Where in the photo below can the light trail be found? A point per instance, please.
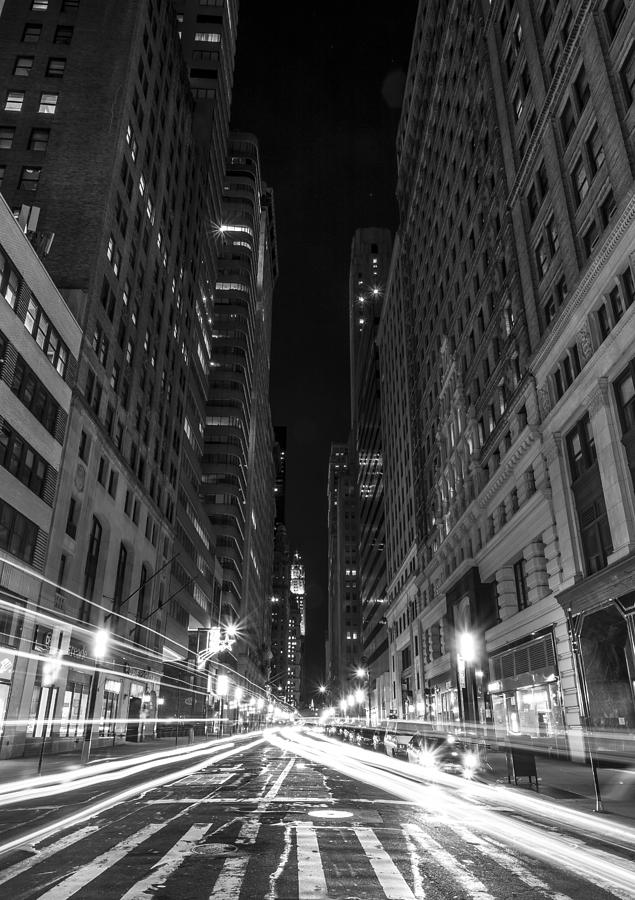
(85, 815)
(600, 868)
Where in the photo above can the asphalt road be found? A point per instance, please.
(295, 817)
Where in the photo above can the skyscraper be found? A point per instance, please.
(369, 266)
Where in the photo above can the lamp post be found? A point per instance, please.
(100, 646)
(365, 674)
(465, 657)
(50, 671)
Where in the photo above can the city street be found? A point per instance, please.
(291, 815)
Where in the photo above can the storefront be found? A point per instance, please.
(525, 695)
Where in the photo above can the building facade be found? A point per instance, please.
(344, 644)
(515, 253)
(368, 274)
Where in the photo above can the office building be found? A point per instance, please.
(514, 271)
(368, 275)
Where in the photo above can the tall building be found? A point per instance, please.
(39, 348)
(238, 462)
(513, 277)
(344, 642)
(280, 458)
(113, 150)
(368, 274)
(298, 600)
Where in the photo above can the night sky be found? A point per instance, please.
(320, 86)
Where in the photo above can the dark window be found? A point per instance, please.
(17, 533)
(567, 121)
(580, 181)
(581, 89)
(21, 460)
(72, 518)
(520, 578)
(63, 34)
(122, 564)
(84, 447)
(614, 13)
(595, 535)
(90, 569)
(30, 178)
(596, 150)
(29, 389)
(70, 5)
(627, 76)
(37, 324)
(607, 209)
(590, 237)
(6, 137)
(581, 449)
(39, 139)
(55, 67)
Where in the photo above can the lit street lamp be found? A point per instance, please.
(100, 647)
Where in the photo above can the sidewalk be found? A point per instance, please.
(570, 783)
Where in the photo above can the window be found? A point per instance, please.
(590, 237)
(3, 170)
(542, 258)
(46, 337)
(6, 137)
(209, 37)
(29, 178)
(63, 34)
(580, 181)
(581, 89)
(21, 460)
(546, 17)
(55, 67)
(31, 33)
(14, 101)
(40, 5)
(48, 104)
(595, 150)
(90, 569)
(102, 470)
(581, 449)
(8, 281)
(39, 139)
(122, 564)
(627, 76)
(29, 389)
(72, 518)
(520, 578)
(552, 236)
(614, 13)
(607, 209)
(70, 5)
(567, 121)
(23, 66)
(84, 447)
(17, 533)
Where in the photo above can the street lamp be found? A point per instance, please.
(100, 647)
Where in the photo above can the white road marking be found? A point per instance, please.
(507, 860)
(272, 893)
(169, 863)
(232, 875)
(100, 864)
(417, 880)
(474, 888)
(390, 878)
(39, 856)
(275, 787)
(311, 879)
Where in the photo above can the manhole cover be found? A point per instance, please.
(330, 814)
(214, 850)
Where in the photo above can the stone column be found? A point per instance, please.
(617, 485)
(536, 569)
(506, 592)
(565, 519)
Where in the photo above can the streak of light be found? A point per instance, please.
(90, 812)
(605, 870)
(104, 772)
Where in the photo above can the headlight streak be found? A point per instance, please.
(597, 866)
(39, 834)
(100, 773)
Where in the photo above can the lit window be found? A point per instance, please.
(210, 37)
(40, 5)
(6, 138)
(14, 101)
(39, 139)
(31, 34)
(23, 66)
(48, 104)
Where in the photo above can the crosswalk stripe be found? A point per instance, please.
(508, 861)
(232, 874)
(474, 888)
(57, 847)
(94, 869)
(169, 863)
(311, 880)
(390, 878)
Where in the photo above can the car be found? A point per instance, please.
(399, 732)
(364, 737)
(443, 753)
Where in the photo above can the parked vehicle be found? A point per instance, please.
(443, 753)
(398, 733)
